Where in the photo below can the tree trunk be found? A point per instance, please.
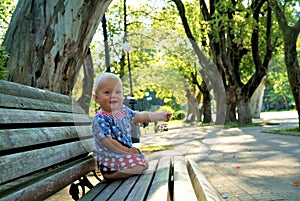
(193, 111)
(293, 68)
(206, 108)
(256, 101)
(231, 105)
(209, 72)
(88, 82)
(244, 114)
(49, 40)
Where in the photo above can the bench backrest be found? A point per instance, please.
(39, 130)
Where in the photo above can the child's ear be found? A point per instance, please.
(96, 98)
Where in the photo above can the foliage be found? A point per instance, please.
(162, 60)
(3, 58)
(150, 68)
(165, 108)
(179, 115)
(278, 94)
(6, 9)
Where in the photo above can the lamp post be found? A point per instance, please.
(128, 48)
(135, 129)
(106, 52)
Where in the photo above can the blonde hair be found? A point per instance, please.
(104, 76)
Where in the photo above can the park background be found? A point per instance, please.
(195, 59)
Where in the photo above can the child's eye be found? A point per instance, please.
(106, 92)
(118, 92)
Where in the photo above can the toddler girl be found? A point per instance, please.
(117, 158)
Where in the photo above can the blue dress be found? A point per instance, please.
(118, 127)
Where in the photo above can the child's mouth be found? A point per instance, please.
(113, 102)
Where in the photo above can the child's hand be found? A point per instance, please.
(167, 116)
(133, 150)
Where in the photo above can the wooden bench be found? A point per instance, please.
(170, 178)
(45, 143)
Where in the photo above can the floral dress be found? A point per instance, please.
(118, 127)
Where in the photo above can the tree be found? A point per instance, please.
(49, 40)
(209, 70)
(290, 34)
(233, 34)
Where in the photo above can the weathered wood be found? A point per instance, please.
(122, 192)
(183, 189)
(48, 41)
(143, 184)
(94, 192)
(18, 138)
(45, 142)
(134, 188)
(160, 186)
(17, 90)
(50, 182)
(170, 178)
(9, 101)
(26, 162)
(107, 192)
(203, 189)
(13, 116)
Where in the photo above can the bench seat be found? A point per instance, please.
(169, 178)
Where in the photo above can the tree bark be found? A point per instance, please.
(207, 118)
(49, 40)
(244, 110)
(88, 82)
(193, 111)
(256, 101)
(231, 105)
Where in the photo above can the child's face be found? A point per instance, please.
(109, 95)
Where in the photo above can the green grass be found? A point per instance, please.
(236, 124)
(286, 131)
(155, 148)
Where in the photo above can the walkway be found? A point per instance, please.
(241, 164)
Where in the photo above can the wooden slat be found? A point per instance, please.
(10, 116)
(107, 192)
(19, 164)
(94, 191)
(16, 138)
(53, 181)
(202, 187)
(140, 189)
(9, 101)
(122, 192)
(14, 89)
(183, 188)
(160, 186)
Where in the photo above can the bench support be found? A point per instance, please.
(82, 182)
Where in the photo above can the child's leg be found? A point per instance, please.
(138, 169)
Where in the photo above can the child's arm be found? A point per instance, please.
(152, 116)
(116, 147)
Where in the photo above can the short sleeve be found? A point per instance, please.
(101, 127)
(129, 112)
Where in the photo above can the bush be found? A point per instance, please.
(166, 108)
(3, 59)
(179, 115)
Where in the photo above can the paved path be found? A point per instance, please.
(241, 164)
